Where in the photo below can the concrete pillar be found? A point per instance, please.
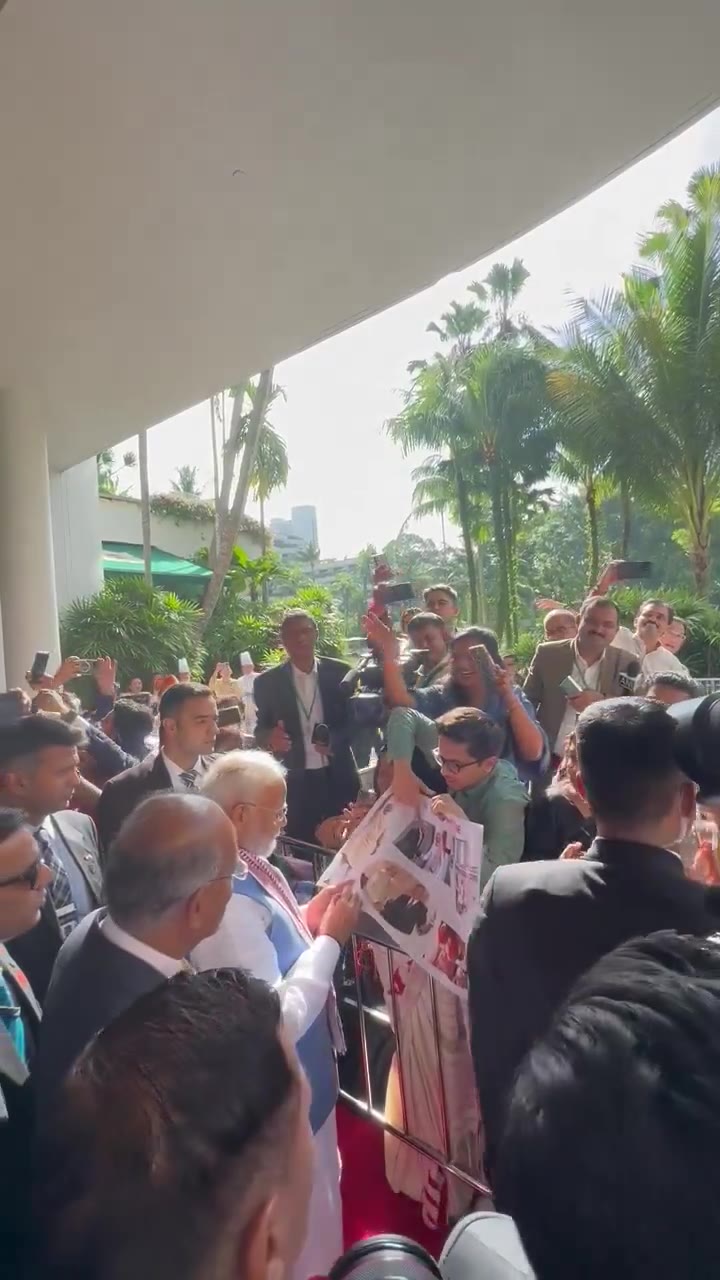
(75, 508)
(27, 570)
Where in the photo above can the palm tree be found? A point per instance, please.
(436, 493)
(434, 418)
(271, 470)
(145, 506)
(310, 556)
(580, 468)
(186, 481)
(243, 439)
(642, 377)
(505, 414)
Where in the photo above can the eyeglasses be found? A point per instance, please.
(452, 766)
(29, 877)
(278, 814)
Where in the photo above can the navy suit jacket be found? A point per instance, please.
(92, 983)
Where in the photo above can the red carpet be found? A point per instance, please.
(369, 1206)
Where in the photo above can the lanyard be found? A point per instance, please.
(307, 713)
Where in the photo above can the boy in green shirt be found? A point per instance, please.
(465, 744)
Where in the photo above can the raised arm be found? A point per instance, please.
(382, 638)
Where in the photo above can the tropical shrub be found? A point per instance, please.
(256, 628)
(145, 630)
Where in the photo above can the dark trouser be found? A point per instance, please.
(309, 801)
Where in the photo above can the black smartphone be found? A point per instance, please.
(11, 708)
(229, 715)
(628, 570)
(320, 736)
(39, 665)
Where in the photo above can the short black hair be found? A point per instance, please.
(626, 759)
(425, 619)
(177, 695)
(608, 1161)
(480, 635)
(24, 738)
(11, 821)
(293, 615)
(658, 604)
(171, 1126)
(473, 729)
(675, 680)
(445, 588)
(132, 719)
(596, 602)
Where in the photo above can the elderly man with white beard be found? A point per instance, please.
(296, 950)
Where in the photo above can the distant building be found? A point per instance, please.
(292, 537)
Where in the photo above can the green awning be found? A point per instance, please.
(171, 573)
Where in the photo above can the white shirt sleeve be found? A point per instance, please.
(241, 942)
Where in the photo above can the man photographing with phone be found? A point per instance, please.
(566, 676)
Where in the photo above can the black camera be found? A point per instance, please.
(697, 744)
(320, 736)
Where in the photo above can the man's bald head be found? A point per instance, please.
(168, 848)
(560, 624)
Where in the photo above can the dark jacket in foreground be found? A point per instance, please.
(543, 924)
(123, 794)
(93, 982)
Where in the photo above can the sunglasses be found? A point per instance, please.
(29, 877)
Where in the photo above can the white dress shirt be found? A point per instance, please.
(310, 710)
(242, 942)
(652, 664)
(175, 771)
(588, 677)
(168, 966)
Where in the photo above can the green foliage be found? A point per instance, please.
(108, 471)
(186, 481)
(188, 510)
(145, 630)
(257, 628)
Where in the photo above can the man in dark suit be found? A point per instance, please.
(543, 924)
(24, 880)
(590, 661)
(188, 725)
(168, 881)
(38, 775)
(303, 718)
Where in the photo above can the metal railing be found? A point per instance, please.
(356, 1010)
(709, 684)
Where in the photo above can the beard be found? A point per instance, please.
(265, 848)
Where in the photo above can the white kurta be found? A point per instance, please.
(241, 942)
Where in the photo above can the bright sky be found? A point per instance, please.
(357, 378)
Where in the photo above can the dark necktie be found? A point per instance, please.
(60, 889)
(189, 778)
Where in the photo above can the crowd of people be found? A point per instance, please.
(169, 1025)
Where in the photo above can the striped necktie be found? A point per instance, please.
(60, 889)
(189, 778)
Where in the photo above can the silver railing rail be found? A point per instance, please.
(351, 1000)
(710, 684)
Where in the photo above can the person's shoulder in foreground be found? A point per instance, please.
(180, 1145)
(609, 1155)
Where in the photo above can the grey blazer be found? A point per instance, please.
(92, 983)
(35, 951)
